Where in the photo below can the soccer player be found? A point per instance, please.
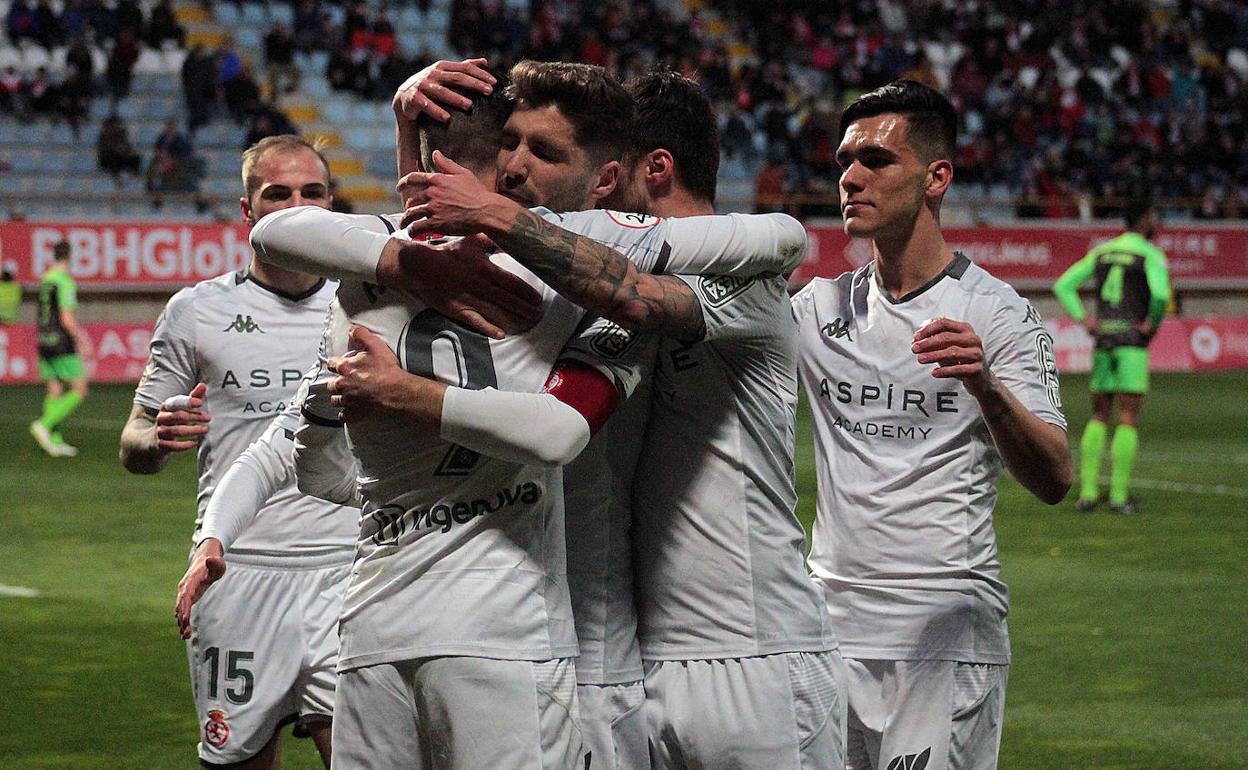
(485, 420)
(925, 375)
(263, 645)
(725, 406)
(1132, 289)
(61, 345)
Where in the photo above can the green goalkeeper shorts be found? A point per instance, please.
(1120, 370)
(65, 368)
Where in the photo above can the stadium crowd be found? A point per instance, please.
(1055, 107)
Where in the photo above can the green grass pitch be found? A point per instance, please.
(1129, 633)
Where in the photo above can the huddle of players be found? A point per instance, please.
(457, 630)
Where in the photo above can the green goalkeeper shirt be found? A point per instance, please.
(1132, 285)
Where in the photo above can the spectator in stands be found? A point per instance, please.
(120, 69)
(44, 94)
(114, 153)
(240, 92)
(163, 25)
(128, 17)
(200, 87)
(310, 27)
(21, 22)
(173, 166)
(13, 92)
(279, 57)
(264, 119)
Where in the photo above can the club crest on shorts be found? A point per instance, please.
(216, 729)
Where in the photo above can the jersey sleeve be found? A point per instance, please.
(738, 245)
(325, 466)
(1158, 277)
(738, 308)
(731, 244)
(66, 291)
(314, 240)
(1066, 288)
(616, 353)
(172, 366)
(1019, 352)
(265, 467)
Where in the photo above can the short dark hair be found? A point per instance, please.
(931, 120)
(61, 251)
(471, 137)
(599, 109)
(674, 114)
(1134, 212)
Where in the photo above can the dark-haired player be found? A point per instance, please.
(925, 375)
(1132, 289)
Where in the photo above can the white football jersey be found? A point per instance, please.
(446, 515)
(718, 548)
(251, 345)
(907, 469)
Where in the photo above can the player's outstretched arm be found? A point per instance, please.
(476, 293)
(1066, 287)
(148, 439)
(1035, 452)
(206, 567)
(576, 401)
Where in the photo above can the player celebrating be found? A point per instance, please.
(61, 343)
(1132, 290)
(915, 413)
(754, 622)
(263, 646)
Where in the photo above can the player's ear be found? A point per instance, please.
(244, 207)
(607, 177)
(939, 177)
(660, 168)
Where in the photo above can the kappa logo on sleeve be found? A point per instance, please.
(612, 340)
(720, 289)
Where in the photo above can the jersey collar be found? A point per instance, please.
(955, 270)
(242, 276)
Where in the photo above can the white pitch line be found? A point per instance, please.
(89, 423)
(1185, 487)
(1196, 458)
(25, 593)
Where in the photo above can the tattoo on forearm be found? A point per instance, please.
(603, 281)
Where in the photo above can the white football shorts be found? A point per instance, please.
(614, 725)
(935, 714)
(458, 713)
(778, 712)
(262, 652)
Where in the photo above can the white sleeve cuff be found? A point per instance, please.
(526, 428)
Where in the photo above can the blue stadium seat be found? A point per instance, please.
(227, 14)
(337, 112)
(316, 87)
(250, 39)
(283, 12)
(255, 14)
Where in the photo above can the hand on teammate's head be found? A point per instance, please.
(436, 87)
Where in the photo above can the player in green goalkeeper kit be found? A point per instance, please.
(1132, 289)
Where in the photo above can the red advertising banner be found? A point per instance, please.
(126, 254)
(1181, 345)
(1032, 257)
(120, 352)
